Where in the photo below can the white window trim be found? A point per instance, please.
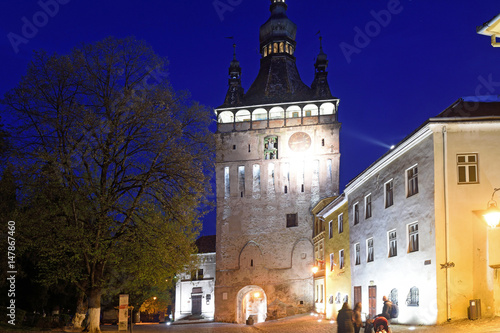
(340, 223)
(356, 204)
(389, 243)
(407, 180)
(466, 164)
(408, 238)
(341, 259)
(368, 250)
(355, 253)
(369, 195)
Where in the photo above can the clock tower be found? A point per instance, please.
(277, 157)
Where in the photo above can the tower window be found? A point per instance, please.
(322, 142)
(241, 180)
(271, 147)
(282, 48)
(292, 220)
(249, 150)
(234, 147)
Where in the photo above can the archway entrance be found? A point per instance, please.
(251, 301)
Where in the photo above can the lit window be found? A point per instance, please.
(241, 180)
(226, 182)
(341, 223)
(355, 213)
(369, 250)
(368, 206)
(413, 237)
(393, 244)
(467, 168)
(389, 193)
(412, 181)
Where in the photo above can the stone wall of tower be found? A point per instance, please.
(254, 245)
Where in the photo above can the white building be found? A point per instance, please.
(194, 291)
(416, 232)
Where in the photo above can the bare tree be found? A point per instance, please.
(115, 165)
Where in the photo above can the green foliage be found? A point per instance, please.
(113, 165)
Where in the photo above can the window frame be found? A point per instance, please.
(412, 235)
(370, 255)
(330, 231)
(467, 165)
(288, 218)
(368, 206)
(392, 243)
(389, 195)
(357, 254)
(340, 223)
(411, 181)
(341, 259)
(355, 213)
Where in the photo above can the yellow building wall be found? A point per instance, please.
(337, 280)
(461, 234)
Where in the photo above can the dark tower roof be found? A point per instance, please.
(206, 244)
(278, 80)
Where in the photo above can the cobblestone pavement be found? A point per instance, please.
(310, 324)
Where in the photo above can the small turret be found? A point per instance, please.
(235, 91)
(320, 84)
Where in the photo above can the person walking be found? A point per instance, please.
(356, 317)
(344, 320)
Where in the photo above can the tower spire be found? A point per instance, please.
(320, 83)
(235, 90)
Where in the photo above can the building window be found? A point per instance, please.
(271, 147)
(412, 181)
(256, 178)
(413, 237)
(291, 220)
(270, 178)
(332, 264)
(467, 168)
(355, 213)
(341, 259)
(413, 299)
(389, 193)
(369, 250)
(295, 114)
(200, 274)
(241, 180)
(357, 254)
(393, 244)
(393, 296)
(286, 177)
(226, 182)
(322, 142)
(330, 232)
(341, 223)
(368, 206)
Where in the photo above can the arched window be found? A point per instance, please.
(393, 296)
(293, 111)
(310, 110)
(275, 48)
(242, 115)
(259, 114)
(413, 298)
(276, 113)
(282, 49)
(270, 49)
(265, 51)
(226, 117)
(327, 108)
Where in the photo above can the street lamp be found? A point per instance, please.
(492, 214)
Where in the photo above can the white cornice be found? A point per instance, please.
(332, 206)
(401, 149)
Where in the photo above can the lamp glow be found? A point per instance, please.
(315, 269)
(256, 294)
(492, 215)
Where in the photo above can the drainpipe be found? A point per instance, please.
(446, 226)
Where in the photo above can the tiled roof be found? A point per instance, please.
(206, 244)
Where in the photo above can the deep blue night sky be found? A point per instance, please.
(413, 63)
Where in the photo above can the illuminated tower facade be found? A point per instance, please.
(277, 157)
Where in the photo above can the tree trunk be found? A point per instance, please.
(81, 310)
(94, 310)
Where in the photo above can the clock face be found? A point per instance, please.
(299, 142)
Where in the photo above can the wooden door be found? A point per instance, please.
(196, 304)
(357, 295)
(372, 301)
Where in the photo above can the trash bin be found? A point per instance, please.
(474, 309)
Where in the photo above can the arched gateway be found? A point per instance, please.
(251, 301)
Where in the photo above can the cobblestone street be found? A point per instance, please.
(307, 323)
